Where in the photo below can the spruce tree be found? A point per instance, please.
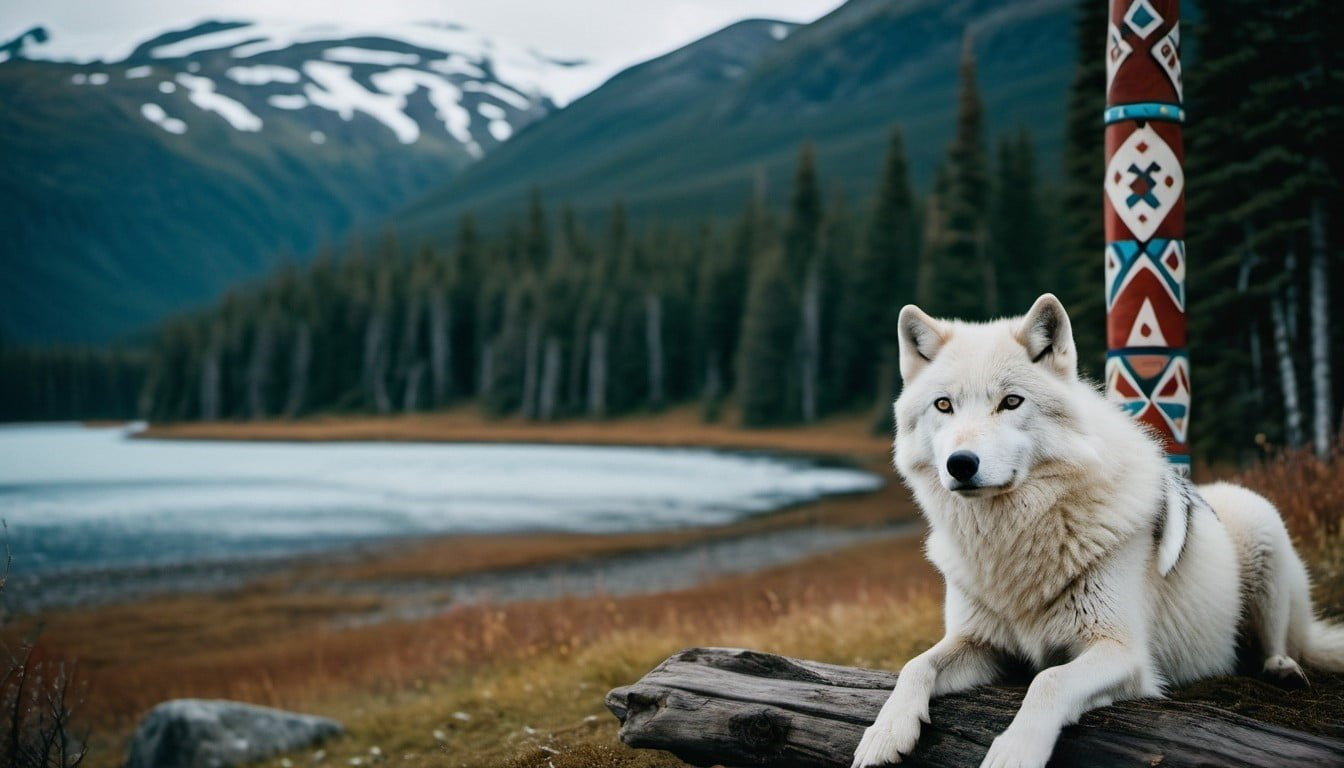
(1080, 268)
(1019, 238)
(966, 284)
(765, 388)
(803, 262)
(883, 280)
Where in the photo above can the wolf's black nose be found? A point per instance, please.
(963, 465)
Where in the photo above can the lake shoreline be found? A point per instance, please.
(399, 569)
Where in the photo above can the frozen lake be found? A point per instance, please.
(79, 498)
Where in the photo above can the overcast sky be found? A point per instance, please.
(611, 31)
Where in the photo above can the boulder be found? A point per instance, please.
(199, 733)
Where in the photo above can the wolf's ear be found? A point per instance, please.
(921, 337)
(1048, 337)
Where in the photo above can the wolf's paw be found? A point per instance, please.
(893, 735)
(1019, 749)
(1285, 673)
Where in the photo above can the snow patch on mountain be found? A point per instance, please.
(481, 91)
(156, 115)
(287, 101)
(334, 89)
(352, 55)
(201, 91)
(262, 74)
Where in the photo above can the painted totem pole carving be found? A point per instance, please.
(1147, 367)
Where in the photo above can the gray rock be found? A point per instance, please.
(198, 733)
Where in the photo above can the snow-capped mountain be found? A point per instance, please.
(412, 78)
(143, 177)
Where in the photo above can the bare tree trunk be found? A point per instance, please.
(597, 373)
(440, 348)
(410, 400)
(210, 375)
(375, 363)
(550, 380)
(653, 337)
(1319, 275)
(811, 346)
(531, 369)
(989, 274)
(487, 377)
(579, 348)
(1292, 410)
(298, 369)
(713, 387)
(259, 370)
(886, 390)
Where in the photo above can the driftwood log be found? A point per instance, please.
(717, 706)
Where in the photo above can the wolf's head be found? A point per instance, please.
(985, 405)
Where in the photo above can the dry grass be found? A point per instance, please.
(522, 684)
(677, 427)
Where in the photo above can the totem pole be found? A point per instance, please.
(1147, 367)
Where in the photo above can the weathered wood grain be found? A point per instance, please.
(718, 706)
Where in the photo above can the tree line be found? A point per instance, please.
(790, 313)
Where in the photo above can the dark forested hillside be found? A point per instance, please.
(137, 188)
(840, 82)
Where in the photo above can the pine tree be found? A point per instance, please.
(802, 257)
(966, 285)
(1019, 236)
(765, 389)
(883, 280)
(1079, 282)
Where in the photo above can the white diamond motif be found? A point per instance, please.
(1142, 18)
(1144, 182)
(1167, 51)
(1117, 50)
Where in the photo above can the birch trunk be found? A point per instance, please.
(487, 373)
(550, 380)
(298, 369)
(440, 348)
(410, 400)
(210, 376)
(713, 387)
(259, 370)
(653, 338)
(1292, 410)
(811, 346)
(375, 364)
(531, 369)
(1319, 274)
(579, 348)
(597, 373)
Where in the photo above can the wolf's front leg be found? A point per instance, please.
(953, 664)
(1058, 696)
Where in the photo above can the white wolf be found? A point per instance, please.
(1065, 540)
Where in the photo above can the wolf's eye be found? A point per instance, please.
(943, 405)
(1010, 402)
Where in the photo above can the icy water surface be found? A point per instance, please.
(79, 498)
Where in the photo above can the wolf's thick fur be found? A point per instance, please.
(1073, 546)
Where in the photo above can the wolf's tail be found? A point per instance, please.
(1325, 646)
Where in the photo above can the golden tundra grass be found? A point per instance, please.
(523, 684)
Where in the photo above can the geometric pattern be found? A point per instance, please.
(1165, 259)
(1145, 294)
(1153, 388)
(1144, 181)
(1147, 368)
(1142, 18)
(1117, 50)
(1167, 52)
